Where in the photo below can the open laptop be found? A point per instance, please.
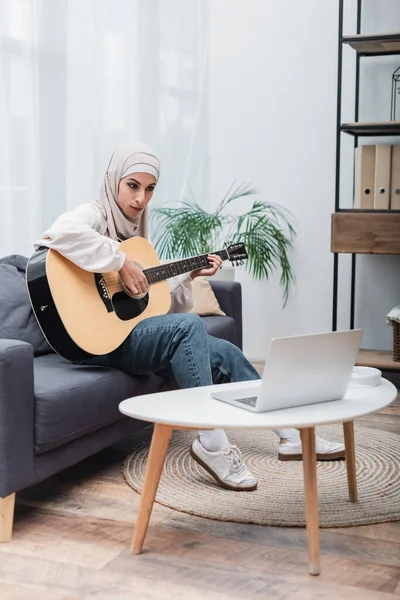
(299, 370)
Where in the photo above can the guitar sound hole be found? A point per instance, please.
(126, 307)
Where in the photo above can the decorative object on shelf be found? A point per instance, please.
(395, 93)
(393, 319)
(383, 165)
(364, 177)
(395, 179)
(266, 229)
(377, 177)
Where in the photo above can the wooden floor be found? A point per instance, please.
(82, 551)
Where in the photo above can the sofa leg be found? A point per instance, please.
(7, 517)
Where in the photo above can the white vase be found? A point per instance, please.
(225, 273)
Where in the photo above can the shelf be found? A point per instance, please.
(380, 44)
(371, 129)
(381, 359)
(361, 232)
(369, 211)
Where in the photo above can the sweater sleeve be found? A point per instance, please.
(78, 236)
(180, 288)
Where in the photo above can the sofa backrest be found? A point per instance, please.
(17, 321)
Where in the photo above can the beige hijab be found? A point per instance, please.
(127, 159)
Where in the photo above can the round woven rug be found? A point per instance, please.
(279, 498)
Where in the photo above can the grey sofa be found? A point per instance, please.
(54, 413)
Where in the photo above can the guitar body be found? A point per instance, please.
(83, 314)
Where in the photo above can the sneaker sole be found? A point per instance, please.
(340, 454)
(215, 476)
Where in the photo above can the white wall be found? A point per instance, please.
(272, 122)
(273, 85)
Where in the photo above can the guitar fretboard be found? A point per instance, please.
(186, 265)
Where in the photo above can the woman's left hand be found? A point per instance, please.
(215, 263)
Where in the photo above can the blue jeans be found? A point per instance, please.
(178, 346)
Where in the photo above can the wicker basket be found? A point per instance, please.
(396, 340)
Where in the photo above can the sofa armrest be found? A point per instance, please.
(229, 296)
(16, 416)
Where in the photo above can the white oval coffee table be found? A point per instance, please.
(195, 409)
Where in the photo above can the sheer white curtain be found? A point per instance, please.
(77, 77)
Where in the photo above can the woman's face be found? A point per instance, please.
(135, 192)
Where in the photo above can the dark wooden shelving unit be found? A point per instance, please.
(374, 44)
(362, 232)
(356, 231)
(383, 128)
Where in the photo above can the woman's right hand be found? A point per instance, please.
(133, 278)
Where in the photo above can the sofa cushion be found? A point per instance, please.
(204, 300)
(17, 321)
(221, 327)
(74, 400)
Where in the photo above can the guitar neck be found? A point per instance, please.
(161, 272)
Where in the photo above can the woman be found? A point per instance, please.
(168, 345)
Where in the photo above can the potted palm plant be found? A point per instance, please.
(266, 229)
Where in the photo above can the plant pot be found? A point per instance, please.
(226, 273)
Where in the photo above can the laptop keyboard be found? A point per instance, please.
(250, 401)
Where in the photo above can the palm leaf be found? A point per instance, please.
(185, 231)
(266, 243)
(266, 229)
(241, 191)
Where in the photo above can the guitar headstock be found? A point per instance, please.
(236, 252)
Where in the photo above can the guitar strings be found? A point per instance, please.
(165, 271)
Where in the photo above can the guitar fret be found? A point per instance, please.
(179, 267)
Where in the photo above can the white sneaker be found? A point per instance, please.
(324, 449)
(226, 466)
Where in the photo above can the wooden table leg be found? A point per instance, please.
(311, 498)
(158, 450)
(348, 430)
(6, 517)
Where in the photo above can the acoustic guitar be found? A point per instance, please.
(83, 314)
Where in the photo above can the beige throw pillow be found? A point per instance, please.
(204, 300)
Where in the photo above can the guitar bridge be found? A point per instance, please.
(103, 291)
